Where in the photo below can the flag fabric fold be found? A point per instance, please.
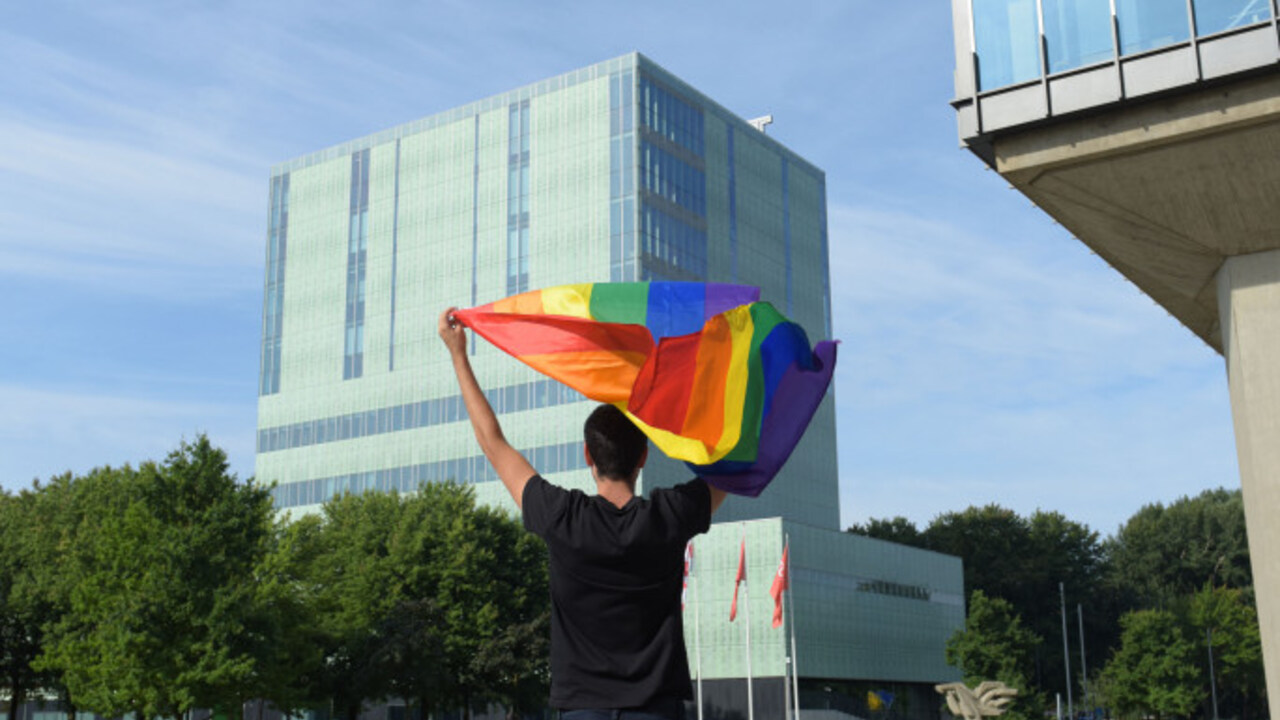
(781, 582)
(710, 374)
(742, 575)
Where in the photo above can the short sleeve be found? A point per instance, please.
(689, 504)
(541, 504)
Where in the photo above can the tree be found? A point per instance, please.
(348, 583)
(898, 529)
(1163, 553)
(496, 602)
(164, 612)
(1225, 617)
(420, 596)
(1155, 672)
(993, 542)
(994, 645)
(21, 614)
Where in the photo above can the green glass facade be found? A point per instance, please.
(615, 172)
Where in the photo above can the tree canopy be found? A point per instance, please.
(172, 586)
(1188, 560)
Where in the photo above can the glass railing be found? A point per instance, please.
(1078, 33)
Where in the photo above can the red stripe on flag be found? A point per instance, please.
(544, 334)
(661, 393)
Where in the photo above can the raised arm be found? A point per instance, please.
(717, 497)
(512, 468)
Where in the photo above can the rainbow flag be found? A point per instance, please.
(713, 376)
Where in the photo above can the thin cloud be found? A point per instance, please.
(87, 430)
(998, 369)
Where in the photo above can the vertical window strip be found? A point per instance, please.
(518, 188)
(786, 226)
(670, 247)
(273, 295)
(475, 222)
(826, 259)
(733, 214)
(395, 229)
(622, 173)
(357, 253)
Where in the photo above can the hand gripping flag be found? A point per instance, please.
(781, 582)
(711, 375)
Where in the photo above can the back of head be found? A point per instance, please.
(615, 443)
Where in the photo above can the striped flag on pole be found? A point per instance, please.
(742, 575)
(779, 586)
(688, 568)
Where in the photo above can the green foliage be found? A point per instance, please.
(22, 615)
(1023, 560)
(172, 586)
(1156, 671)
(421, 597)
(994, 645)
(1226, 617)
(898, 529)
(1163, 553)
(993, 541)
(158, 574)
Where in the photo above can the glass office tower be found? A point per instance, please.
(615, 172)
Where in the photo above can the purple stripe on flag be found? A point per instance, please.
(796, 400)
(722, 296)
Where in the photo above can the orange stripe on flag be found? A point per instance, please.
(705, 418)
(529, 303)
(602, 375)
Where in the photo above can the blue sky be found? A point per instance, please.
(987, 356)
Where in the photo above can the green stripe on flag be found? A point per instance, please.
(620, 302)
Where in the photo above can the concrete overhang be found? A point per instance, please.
(1163, 190)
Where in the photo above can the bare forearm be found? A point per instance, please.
(483, 420)
(512, 468)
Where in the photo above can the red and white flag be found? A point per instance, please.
(780, 583)
(742, 575)
(688, 568)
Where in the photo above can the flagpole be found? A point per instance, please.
(791, 612)
(751, 711)
(697, 635)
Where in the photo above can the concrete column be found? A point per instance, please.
(1249, 303)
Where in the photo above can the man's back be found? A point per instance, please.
(617, 637)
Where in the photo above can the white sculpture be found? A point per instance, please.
(987, 700)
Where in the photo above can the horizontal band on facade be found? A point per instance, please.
(410, 416)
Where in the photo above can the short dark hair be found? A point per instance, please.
(615, 443)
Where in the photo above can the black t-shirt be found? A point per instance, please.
(617, 634)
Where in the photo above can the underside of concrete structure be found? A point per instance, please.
(1164, 191)
(1151, 132)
